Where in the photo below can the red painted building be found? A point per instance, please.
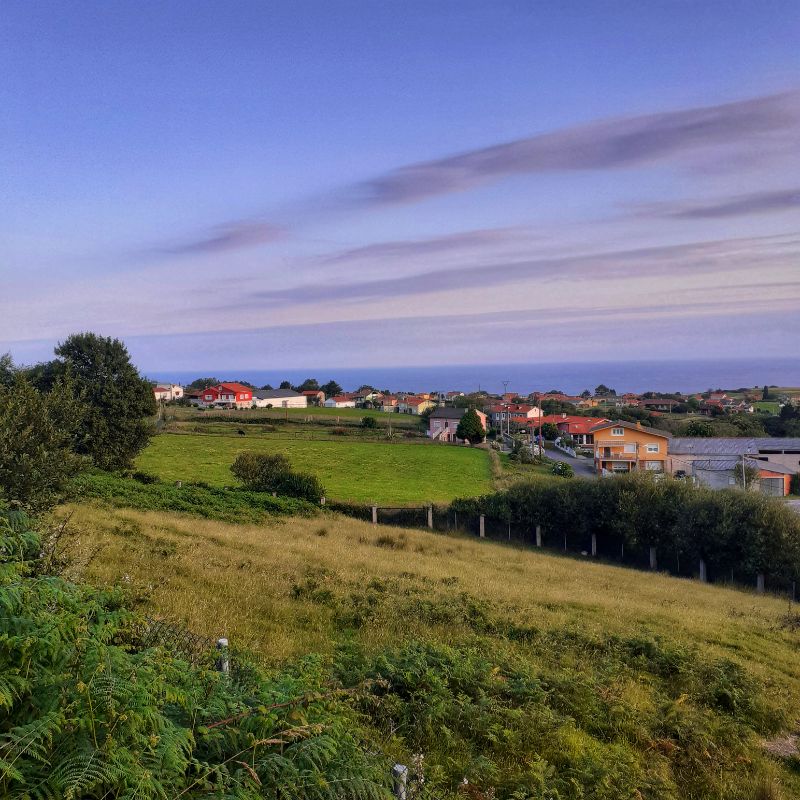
(227, 395)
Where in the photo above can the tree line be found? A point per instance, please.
(730, 530)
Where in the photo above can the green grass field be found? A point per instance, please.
(351, 415)
(384, 473)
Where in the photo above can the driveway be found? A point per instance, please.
(583, 467)
(794, 505)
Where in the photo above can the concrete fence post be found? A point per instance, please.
(400, 781)
(430, 517)
(482, 527)
(374, 515)
(179, 484)
(703, 574)
(594, 544)
(760, 583)
(223, 662)
(538, 535)
(322, 500)
(653, 559)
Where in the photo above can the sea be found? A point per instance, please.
(571, 378)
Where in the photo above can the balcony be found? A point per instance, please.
(608, 455)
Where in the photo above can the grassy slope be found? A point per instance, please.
(295, 586)
(237, 580)
(361, 471)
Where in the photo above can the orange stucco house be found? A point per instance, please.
(625, 447)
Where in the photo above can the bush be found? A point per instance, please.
(261, 472)
(271, 472)
(302, 485)
(369, 423)
(562, 469)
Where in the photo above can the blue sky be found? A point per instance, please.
(360, 184)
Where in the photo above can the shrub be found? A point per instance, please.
(562, 469)
(302, 485)
(369, 423)
(271, 472)
(261, 472)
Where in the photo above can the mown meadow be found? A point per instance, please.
(382, 472)
(530, 675)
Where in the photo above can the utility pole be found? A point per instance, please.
(744, 475)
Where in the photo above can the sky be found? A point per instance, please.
(357, 184)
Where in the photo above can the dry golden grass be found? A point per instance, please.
(242, 581)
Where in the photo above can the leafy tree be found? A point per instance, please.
(198, 384)
(604, 391)
(37, 437)
(285, 385)
(765, 393)
(585, 394)
(308, 385)
(470, 428)
(699, 428)
(550, 431)
(369, 423)
(331, 388)
(267, 387)
(7, 370)
(119, 402)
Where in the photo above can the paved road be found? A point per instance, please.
(794, 505)
(584, 467)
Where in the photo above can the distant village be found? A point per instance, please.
(598, 432)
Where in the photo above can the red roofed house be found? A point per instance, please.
(579, 428)
(414, 404)
(517, 413)
(227, 395)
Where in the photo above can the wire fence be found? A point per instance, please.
(608, 548)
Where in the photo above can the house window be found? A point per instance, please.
(652, 448)
(209, 397)
(654, 466)
(618, 431)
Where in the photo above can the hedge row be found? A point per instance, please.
(730, 529)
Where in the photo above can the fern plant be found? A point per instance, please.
(86, 713)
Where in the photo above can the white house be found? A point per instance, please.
(168, 391)
(279, 398)
(340, 402)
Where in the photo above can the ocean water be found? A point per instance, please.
(572, 378)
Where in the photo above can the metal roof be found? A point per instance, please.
(732, 446)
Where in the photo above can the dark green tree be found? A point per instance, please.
(331, 388)
(765, 393)
(550, 431)
(198, 384)
(119, 402)
(698, 427)
(369, 423)
(37, 436)
(308, 385)
(470, 428)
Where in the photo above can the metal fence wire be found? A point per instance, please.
(176, 638)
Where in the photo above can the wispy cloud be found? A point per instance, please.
(226, 237)
(664, 261)
(734, 206)
(612, 144)
(428, 246)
